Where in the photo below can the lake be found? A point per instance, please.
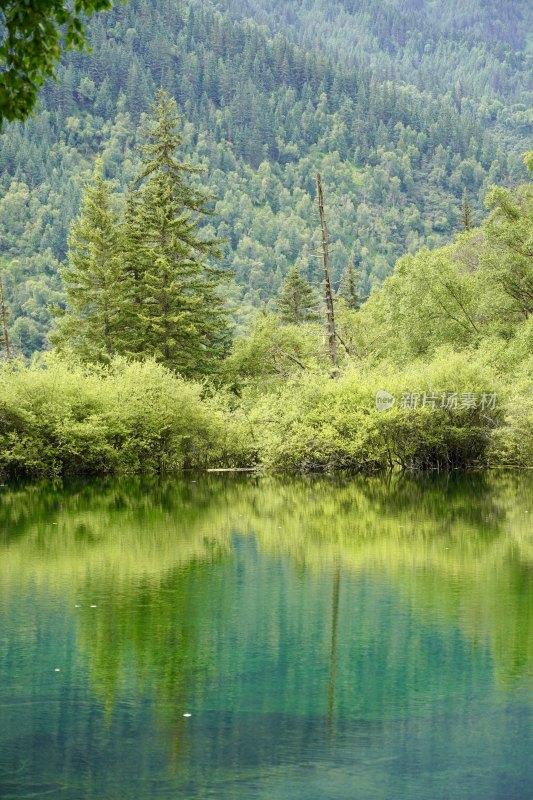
(235, 636)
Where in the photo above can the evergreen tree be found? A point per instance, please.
(92, 325)
(130, 246)
(466, 214)
(349, 287)
(297, 301)
(180, 320)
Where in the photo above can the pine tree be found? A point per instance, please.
(92, 325)
(180, 320)
(130, 248)
(349, 287)
(466, 214)
(297, 301)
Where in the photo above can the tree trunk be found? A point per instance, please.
(327, 282)
(3, 313)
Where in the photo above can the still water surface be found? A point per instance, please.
(331, 639)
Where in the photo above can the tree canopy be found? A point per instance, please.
(141, 284)
(34, 34)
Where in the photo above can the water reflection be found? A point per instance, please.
(316, 630)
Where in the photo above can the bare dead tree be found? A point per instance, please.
(3, 313)
(327, 281)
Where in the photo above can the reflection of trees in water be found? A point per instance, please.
(172, 590)
(334, 636)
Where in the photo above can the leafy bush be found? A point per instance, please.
(61, 418)
(512, 443)
(312, 423)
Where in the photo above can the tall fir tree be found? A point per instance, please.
(349, 289)
(179, 316)
(92, 324)
(297, 301)
(130, 246)
(466, 213)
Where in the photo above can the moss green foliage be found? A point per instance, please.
(138, 287)
(334, 424)
(350, 287)
(93, 325)
(60, 418)
(272, 352)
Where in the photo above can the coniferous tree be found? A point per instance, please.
(297, 301)
(130, 246)
(92, 325)
(180, 320)
(349, 287)
(466, 214)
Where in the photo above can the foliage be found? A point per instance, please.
(466, 213)
(349, 289)
(272, 352)
(469, 49)
(512, 443)
(509, 255)
(33, 36)
(297, 302)
(141, 285)
(440, 326)
(396, 159)
(335, 424)
(265, 114)
(180, 319)
(472, 291)
(60, 418)
(93, 326)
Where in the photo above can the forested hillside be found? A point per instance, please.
(397, 145)
(486, 47)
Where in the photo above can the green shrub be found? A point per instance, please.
(315, 423)
(60, 418)
(512, 443)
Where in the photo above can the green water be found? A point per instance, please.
(331, 639)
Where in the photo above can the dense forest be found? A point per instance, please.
(399, 134)
(481, 49)
(163, 302)
(448, 338)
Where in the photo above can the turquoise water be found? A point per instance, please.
(338, 639)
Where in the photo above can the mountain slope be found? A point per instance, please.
(263, 115)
